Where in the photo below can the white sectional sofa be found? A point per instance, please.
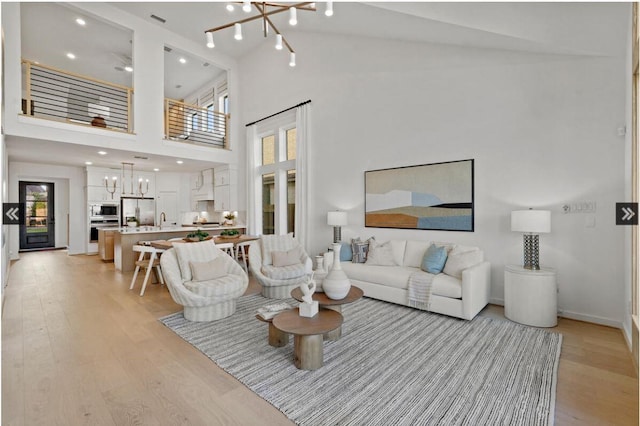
(462, 290)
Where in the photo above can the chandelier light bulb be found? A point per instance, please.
(293, 16)
(292, 59)
(238, 34)
(329, 10)
(210, 43)
(230, 7)
(246, 6)
(279, 41)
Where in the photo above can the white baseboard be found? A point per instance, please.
(578, 316)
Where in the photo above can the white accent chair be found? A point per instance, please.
(213, 294)
(277, 281)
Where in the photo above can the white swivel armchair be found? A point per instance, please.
(279, 264)
(203, 279)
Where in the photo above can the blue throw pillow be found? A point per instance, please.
(434, 259)
(345, 252)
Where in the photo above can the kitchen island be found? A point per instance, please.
(125, 238)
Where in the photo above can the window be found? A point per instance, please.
(223, 103)
(193, 122)
(276, 168)
(210, 118)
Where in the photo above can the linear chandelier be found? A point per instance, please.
(265, 10)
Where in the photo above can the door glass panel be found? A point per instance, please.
(38, 230)
(268, 204)
(36, 209)
(291, 200)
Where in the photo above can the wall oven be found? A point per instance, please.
(101, 224)
(102, 216)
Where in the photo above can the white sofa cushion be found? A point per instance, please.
(446, 286)
(380, 254)
(458, 261)
(414, 252)
(397, 276)
(202, 251)
(398, 247)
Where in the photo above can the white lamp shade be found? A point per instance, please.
(531, 221)
(337, 218)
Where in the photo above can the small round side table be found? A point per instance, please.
(530, 296)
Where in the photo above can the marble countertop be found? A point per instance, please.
(173, 228)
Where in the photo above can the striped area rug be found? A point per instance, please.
(393, 366)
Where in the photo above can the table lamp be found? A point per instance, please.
(531, 223)
(337, 219)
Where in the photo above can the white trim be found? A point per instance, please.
(577, 316)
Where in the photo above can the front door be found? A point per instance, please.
(38, 229)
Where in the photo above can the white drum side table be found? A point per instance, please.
(530, 297)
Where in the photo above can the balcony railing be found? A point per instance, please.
(53, 94)
(191, 123)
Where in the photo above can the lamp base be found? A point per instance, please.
(531, 252)
(337, 231)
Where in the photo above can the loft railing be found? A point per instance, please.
(58, 95)
(191, 123)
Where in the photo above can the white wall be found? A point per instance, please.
(69, 203)
(4, 176)
(541, 128)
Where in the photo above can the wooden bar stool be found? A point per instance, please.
(153, 261)
(242, 254)
(227, 248)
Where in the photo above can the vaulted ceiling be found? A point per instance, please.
(104, 49)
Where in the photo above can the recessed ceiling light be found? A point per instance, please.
(81, 22)
(156, 169)
(88, 163)
(71, 55)
(179, 161)
(102, 152)
(182, 60)
(128, 68)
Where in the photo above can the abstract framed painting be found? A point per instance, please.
(436, 196)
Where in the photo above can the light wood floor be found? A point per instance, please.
(79, 348)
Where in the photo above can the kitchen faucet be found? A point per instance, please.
(163, 218)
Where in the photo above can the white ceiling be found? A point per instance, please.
(552, 28)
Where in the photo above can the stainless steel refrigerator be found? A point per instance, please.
(143, 209)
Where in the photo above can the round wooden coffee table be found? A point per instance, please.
(277, 338)
(307, 334)
(324, 301)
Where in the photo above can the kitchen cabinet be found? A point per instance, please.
(226, 188)
(96, 190)
(202, 186)
(105, 244)
(99, 193)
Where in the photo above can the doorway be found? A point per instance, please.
(39, 226)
